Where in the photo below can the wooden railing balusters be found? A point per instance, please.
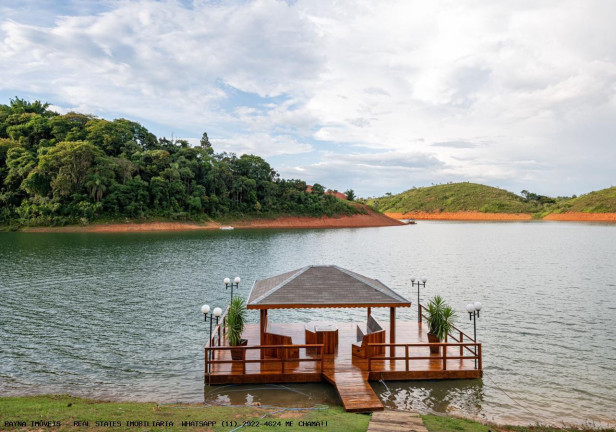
(406, 352)
(444, 357)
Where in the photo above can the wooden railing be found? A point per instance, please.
(282, 360)
(219, 332)
(461, 335)
(444, 357)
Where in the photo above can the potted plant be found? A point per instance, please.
(236, 318)
(439, 317)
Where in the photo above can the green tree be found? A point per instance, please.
(67, 165)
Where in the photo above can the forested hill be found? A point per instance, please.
(76, 168)
(457, 197)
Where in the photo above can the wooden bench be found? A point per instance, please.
(276, 339)
(372, 332)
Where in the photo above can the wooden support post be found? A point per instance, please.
(262, 329)
(479, 354)
(461, 347)
(369, 312)
(392, 331)
(406, 354)
(445, 357)
(263, 324)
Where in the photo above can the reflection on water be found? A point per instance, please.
(459, 397)
(117, 315)
(277, 395)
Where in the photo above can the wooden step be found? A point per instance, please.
(396, 421)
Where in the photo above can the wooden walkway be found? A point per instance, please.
(349, 374)
(396, 421)
(354, 390)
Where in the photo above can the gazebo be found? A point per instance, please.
(323, 287)
(315, 352)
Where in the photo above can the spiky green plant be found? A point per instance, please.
(236, 318)
(439, 317)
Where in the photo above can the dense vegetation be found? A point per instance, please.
(76, 168)
(455, 197)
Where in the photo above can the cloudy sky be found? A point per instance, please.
(373, 96)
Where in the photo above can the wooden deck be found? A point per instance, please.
(349, 374)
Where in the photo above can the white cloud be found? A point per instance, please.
(482, 88)
(263, 145)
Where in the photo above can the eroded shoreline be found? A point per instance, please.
(289, 222)
(479, 216)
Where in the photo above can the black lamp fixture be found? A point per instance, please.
(473, 313)
(216, 313)
(235, 284)
(420, 282)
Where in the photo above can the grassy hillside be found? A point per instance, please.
(455, 197)
(602, 201)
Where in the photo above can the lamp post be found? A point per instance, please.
(420, 282)
(216, 313)
(473, 313)
(235, 284)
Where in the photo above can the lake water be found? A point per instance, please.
(117, 315)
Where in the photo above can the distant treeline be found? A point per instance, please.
(76, 168)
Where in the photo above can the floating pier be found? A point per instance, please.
(346, 355)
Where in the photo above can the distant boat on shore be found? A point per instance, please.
(226, 228)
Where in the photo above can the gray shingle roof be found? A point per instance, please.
(322, 286)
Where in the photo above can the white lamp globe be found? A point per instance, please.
(424, 279)
(217, 312)
(205, 309)
(470, 308)
(413, 279)
(237, 279)
(227, 281)
(477, 306)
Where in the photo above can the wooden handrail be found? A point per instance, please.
(407, 357)
(216, 333)
(283, 360)
(462, 334)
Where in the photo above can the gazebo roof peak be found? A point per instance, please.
(321, 287)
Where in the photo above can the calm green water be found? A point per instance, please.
(117, 316)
